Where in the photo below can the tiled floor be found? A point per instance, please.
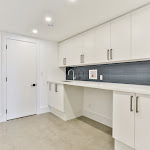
(48, 132)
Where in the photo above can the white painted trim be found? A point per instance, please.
(98, 117)
(122, 146)
(58, 113)
(44, 110)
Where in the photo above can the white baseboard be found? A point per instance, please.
(97, 117)
(57, 113)
(2, 118)
(43, 110)
(121, 146)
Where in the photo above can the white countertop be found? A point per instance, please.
(139, 89)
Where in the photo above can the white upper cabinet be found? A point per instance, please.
(69, 52)
(89, 47)
(78, 49)
(66, 53)
(61, 54)
(121, 39)
(102, 44)
(141, 33)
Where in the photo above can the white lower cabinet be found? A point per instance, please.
(123, 118)
(56, 96)
(66, 102)
(131, 119)
(142, 123)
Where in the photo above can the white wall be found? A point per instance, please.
(47, 68)
(98, 105)
(0, 78)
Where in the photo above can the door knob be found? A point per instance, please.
(34, 85)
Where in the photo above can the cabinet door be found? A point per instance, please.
(69, 52)
(123, 118)
(102, 43)
(62, 54)
(51, 95)
(59, 97)
(66, 53)
(89, 47)
(141, 33)
(121, 38)
(142, 123)
(78, 49)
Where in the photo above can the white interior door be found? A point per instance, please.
(21, 75)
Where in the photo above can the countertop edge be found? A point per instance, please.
(139, 89)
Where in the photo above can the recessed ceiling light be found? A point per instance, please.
(48, 19)
(72, 0)
(35, 31)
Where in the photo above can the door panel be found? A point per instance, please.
(59, 99)
(89, 46)
(69, 52)
(21, 74)
(121, 38)
(52, 96)
(102, 43)
(142, 123)
(78, 49)
(123, 118)
(141, 33)
(61, 54)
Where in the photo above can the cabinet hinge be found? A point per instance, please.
(6, 79)
(6, 46)
(6, 111)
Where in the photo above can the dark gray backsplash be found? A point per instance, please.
(128, 73)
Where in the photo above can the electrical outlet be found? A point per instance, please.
(101, 77)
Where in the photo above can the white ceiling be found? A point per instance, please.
(21, 16)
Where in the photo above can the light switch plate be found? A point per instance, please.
(93, 74)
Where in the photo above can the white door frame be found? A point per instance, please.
(6, 36)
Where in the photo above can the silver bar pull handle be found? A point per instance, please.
(131, 103)
(111, 54)
(80, 58)
(137, 104)
(56, 90)
(108, 54)
(50, 86)
(83, 58)
(65, 61)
